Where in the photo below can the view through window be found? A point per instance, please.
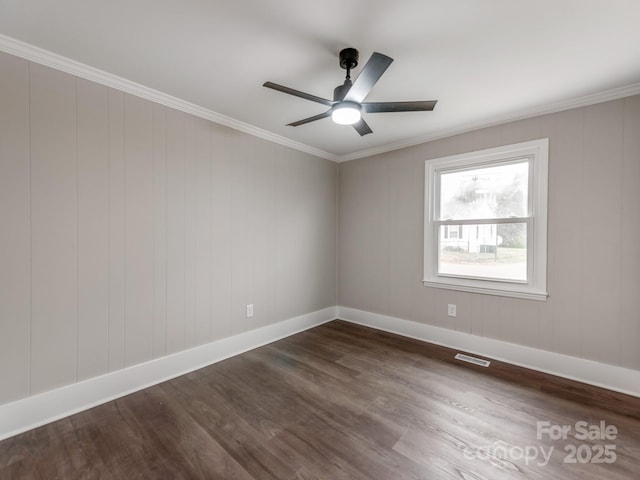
(495, 199)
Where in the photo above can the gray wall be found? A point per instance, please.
(593, 309)
(129, 231)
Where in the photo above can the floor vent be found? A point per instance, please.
(474, 360)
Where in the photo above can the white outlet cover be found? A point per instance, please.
(250, 310)
(451, 310)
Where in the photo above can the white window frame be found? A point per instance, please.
(535, 288)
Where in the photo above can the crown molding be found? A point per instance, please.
(53, 60)
(49, 59)
(559, 106)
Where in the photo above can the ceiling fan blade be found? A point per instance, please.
(362, 127)
(310, 119)
(370, 74)
(297, 93)
(380, 107)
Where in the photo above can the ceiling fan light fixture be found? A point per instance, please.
(346, 113)
(346, 108)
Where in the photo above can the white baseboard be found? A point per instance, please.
(25, 414)
(611, 377)
(22, 415)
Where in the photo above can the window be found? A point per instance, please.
(486, 221)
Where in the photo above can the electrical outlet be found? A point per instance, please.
(451, 310)
(250, 310)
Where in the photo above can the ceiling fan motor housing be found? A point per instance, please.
(341, 90)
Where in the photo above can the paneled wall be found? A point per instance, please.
(593, 309)
(129, 231)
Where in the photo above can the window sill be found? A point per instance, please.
(513, 293)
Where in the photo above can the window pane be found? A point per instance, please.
(486, 192)
(495, 251)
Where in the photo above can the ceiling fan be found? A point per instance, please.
(347, 105)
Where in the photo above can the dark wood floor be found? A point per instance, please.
(337, 402)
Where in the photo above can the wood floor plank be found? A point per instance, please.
(337, 402)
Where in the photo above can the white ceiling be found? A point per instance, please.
(483, 60)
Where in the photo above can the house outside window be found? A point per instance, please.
(486, 221)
